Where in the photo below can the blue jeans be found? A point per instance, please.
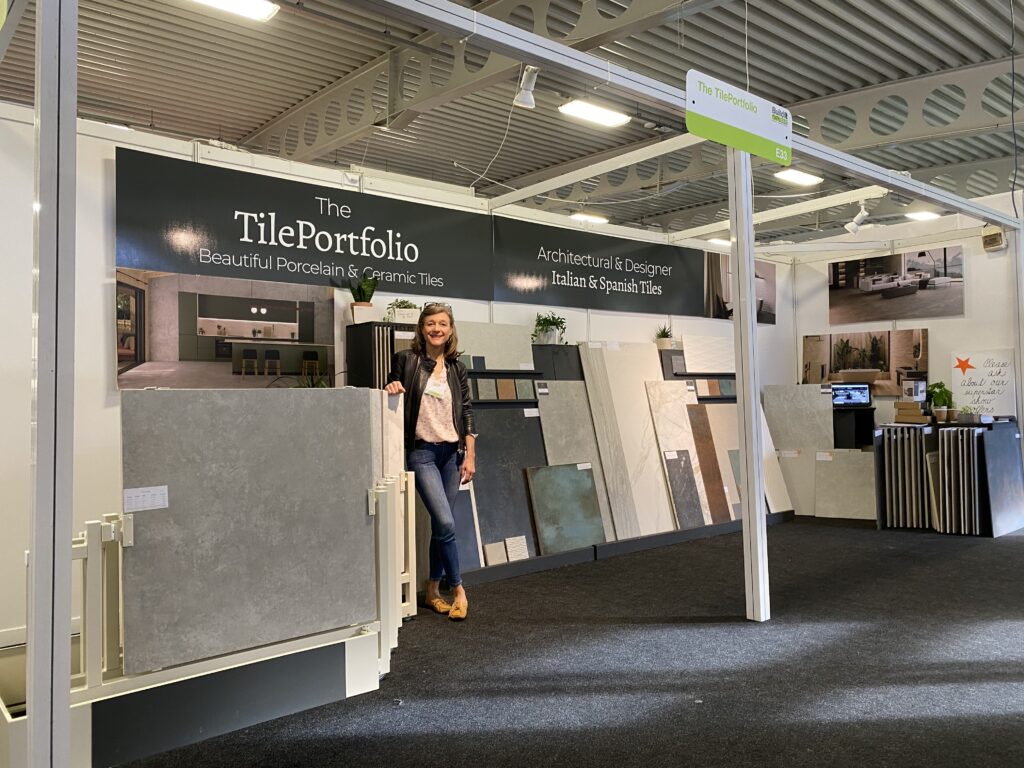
(437, 481)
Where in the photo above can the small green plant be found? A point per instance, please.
(397, 304)
(967, 409)
(546, 325)
(842, 352)
(938, 395)
(362, 288)
(663, 332)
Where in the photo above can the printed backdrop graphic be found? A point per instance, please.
(179, 216)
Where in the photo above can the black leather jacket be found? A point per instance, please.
(413, 370)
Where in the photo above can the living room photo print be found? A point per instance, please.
(900, 286)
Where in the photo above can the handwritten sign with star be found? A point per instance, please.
(985, 382)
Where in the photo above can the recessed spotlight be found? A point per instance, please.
(720, 241)
(594, 113)
(257, 10)
(922, 215)
(263, 310)
(253, 310)
(801, 179)
(590, 218)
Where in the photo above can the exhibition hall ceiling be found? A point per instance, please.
(921, 86)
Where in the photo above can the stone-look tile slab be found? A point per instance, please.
(709, 354)
(495, 553)
(668, 401)
(685, 495)
(775, 490)
(509, 441)
(487, 389)
(1005, 475)
(478, 363)
(565, 509)
(799, 418)
(722, 418)
(515, 547)
(524, 389)
(503, 346)
(254, 500)
(673, 364)
(467, 535)
(616, 376)
(467, 361)
(845, 486)
(393, 433)
(707, 458)
(569, 437)
(507, 389)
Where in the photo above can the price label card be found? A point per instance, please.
(140, 499)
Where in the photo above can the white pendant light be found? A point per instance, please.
(524, 96)
(257, 10)
(800, 178)
(594, 113)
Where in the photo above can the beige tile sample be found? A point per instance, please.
(503, 346)
(845, 485)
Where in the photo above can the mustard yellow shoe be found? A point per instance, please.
(439, 605)
(459, 612)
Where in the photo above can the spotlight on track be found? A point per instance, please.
(859, 219)
(524, 96)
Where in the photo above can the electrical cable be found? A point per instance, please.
(1013, 111)
(508, 124)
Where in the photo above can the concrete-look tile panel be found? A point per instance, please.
(707, 458)
(266, 537)
(668, 401)
(565, 509)
(504, 347)
(845, 485)
(162, 318)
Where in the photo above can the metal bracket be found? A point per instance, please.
(371, 502)
(128, 531)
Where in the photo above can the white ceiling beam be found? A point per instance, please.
(14, 12)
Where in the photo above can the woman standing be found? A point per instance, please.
(439, 440)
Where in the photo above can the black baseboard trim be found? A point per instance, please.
(628, 546)
(774, 518)
(530, 565)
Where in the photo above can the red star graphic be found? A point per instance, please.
(964, 364)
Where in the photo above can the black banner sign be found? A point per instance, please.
(535, 264)
(179, 216)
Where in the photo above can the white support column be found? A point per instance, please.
(49, 605)
(1016, 252)
(748, 387)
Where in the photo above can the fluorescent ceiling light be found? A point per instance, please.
(257, 10)
(801, 179)
(593, 113)
(719, 241)
(590, 218)
(922, 215)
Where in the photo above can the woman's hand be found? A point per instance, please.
(394, 388)
(468, 468)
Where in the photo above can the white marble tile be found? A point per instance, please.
(845, 485)
(799, 418)
(668, 401)
(709, 354)
(393, 428)
(775, 490)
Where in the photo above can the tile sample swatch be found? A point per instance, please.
(467, 361)
(616, 377)
(668, 401)
(558, 362)
(707, 458)
(516, 548)
(486, 389)
(673, 363)
(714, 388)
(799, 419)
(569, 437)
(524, 390)
(235, 503)
(495, 553)
(504, 347)
(393, 435)
(727, 387)
(507, 389)
(479, 363)
(685, 496)
(565, 509)
(508, 442)
(845, 486)
(1005, 475)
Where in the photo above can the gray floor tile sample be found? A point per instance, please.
(685, 496)
(487, 389)
(845, 485)
(800, 420)
(503, 347)
(255, 499)
(1005, 477)
(565, 509)
(569, 437)
(668, 401)
(509, 441)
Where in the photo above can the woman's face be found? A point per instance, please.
(437, 329)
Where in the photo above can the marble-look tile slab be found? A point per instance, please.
(685, 495)
(565, 509)
(506, 389)
(236, 502)
(487, 389)
(707, 458)
(504, 346)
(775, 491)
(668, 401)
(845, 486)
(709, 354)
(624, 370)
(799, 418)
(495, 554)
(722, 418)
(524, 389)
(509, 441)
(569, 437)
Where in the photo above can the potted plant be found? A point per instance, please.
(940, 398)
(548, 329)
(402, 311)
(663, 337)
(362, 289)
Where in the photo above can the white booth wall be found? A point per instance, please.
(97, 471)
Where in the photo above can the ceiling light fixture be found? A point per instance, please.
(263, 310)
(253, 310)
(853, 226)
(594, 113)
(801, 179)
(590, 218)
(720, 241)
(922, 215)
(524, 96)
(257, 10)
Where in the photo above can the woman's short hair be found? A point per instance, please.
(419, 342)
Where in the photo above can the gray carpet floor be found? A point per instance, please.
(885, 649)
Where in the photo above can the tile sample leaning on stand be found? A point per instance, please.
(799, 417)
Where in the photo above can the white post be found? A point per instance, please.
(1016, 252)
(49, 606)
(748, 387)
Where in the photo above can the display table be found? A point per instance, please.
(291, 354)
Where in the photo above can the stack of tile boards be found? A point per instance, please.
(959, 483)
(619, 454)
(903, 484)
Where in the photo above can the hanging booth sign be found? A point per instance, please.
(984, 382)
(535, 264)
(180, 216)
(722, 112)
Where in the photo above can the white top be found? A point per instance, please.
(435, 423)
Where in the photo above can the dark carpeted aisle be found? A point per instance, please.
(886, 649)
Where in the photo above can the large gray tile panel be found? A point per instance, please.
(505, 347)
(685, 496)
(1004, 475)
(509, 441)
(845, 485)
(565, 509)
(668, 401)
(267, 535)
(569, 437)
(799, 417)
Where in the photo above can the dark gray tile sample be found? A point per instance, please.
(255, 499)
(565, 509)
(673, 364)
(525, 390)
(558, 362)
(466, 360)
(487, 389)
(479, 363)
(1004, 476)
(465, 531)
(685, 496)
(508, 443)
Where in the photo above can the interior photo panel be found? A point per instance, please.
(884, 359)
